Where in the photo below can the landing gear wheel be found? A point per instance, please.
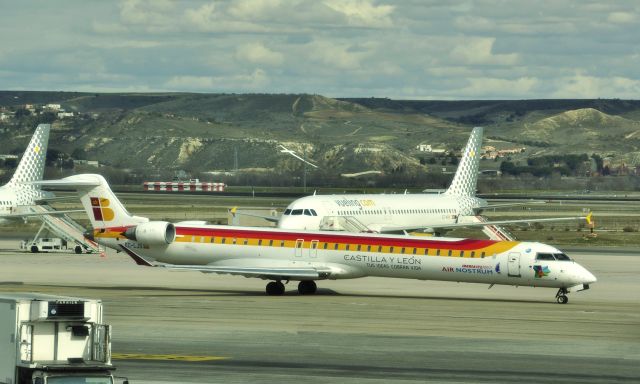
(307, 287)
(275, 288)
(561, 296)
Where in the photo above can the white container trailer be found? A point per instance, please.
(47, 339)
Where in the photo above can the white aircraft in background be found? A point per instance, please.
(457, 207)
(305, 256)
(18, 194)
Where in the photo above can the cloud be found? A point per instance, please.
(474, 51)
(363, 13)
(257, 9)
(254, 81)
(497, 88)
(334, 55)
(257, 53)
(582, 85)
(148, 13)
(622, 17)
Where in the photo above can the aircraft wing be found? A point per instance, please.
(234, 211)
(47, 213)
(275, 273)
(388, 229)
(54, 199)
(509, 205)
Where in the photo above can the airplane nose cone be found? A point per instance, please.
(585, 276)
(590, 278)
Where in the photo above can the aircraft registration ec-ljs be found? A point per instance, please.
(306, 256)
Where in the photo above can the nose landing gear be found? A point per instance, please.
(561, 296)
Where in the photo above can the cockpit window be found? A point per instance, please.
(307, 212)
(545, 256)
(296, 212)
(287, 212)
(313, 212)
(562, 256)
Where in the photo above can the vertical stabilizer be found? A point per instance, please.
(466, 178)
(101, 204)
(31, 166)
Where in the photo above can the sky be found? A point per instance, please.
(409, 49)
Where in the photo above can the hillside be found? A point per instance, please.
(204, 132)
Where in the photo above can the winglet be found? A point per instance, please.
(588, 218)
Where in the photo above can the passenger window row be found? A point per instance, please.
(395, 211)
(349, 247)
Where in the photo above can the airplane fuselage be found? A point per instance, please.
(343, 255)
(378, 212)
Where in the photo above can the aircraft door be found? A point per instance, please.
(299, 246)
(513, 265)
(313, 249)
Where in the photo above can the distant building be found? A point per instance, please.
(62, 115)
(429, 148)
(193, 185)
(8, 157)
(53, 107)
(93, 163)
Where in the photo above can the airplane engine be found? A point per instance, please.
(154, 232)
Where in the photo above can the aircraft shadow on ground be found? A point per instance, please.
(188, 292)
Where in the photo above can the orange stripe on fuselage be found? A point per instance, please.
(356, 243)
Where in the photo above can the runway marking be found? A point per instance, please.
(142, 356)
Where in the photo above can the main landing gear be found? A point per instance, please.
(275, 288)
(561, 296)
(305, 287)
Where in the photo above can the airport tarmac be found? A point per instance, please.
(187, 327)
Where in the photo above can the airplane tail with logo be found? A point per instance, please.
(101, 204)
(31, 166)
(466, 178)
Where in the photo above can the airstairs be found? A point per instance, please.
(342, 223)
(495, 232)
(65, 228)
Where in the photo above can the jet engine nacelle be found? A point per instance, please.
(152, 233)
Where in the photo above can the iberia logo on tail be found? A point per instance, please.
(101, 210)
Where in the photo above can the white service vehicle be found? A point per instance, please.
(44, 244)
(46, 339)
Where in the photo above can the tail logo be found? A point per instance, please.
(101, 210)
(36, 149)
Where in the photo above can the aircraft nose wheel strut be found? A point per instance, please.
(561, 296)
(275, 288)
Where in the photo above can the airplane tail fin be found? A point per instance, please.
(466, 178)
(101, 204)
(31, 166)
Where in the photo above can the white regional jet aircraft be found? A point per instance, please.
(457, 207)
(305, 256)
(18, 193)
